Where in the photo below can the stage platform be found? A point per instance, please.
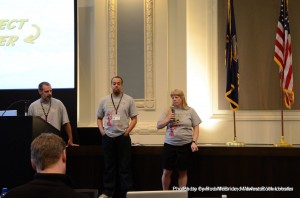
(249, 171)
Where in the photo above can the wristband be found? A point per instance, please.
(194, 142)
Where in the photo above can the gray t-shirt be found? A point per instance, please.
(116, 114)
(57, 115)
(181, 131)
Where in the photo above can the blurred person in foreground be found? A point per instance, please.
(48, 159)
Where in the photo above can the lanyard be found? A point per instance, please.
(46, 114)
(116, 108)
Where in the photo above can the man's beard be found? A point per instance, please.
(117, 91)
(48, 98)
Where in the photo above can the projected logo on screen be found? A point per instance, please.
(19, 24)
(37, 43)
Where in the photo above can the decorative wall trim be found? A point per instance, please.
(141, 128)
(112, 39)
(147, 128)
(148, 103)
(258, 115)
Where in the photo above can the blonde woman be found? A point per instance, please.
(182, 130)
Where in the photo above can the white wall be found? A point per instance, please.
(185, 57)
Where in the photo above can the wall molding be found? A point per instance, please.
(141, 128)
(148, 103)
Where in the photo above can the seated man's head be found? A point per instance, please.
(48, 154)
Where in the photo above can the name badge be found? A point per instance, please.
(116, 117)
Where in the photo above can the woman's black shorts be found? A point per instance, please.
(176, 157)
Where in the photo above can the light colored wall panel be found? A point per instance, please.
(185, 56)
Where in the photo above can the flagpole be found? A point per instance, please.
(234, 126)
(282, 127)
(282, 142)
(234, 142)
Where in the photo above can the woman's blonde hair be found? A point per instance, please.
(178, 92)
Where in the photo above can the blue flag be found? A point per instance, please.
(231, 60)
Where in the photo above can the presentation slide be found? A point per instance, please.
(37, 43)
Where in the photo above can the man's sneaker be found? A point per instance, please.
(104, 196)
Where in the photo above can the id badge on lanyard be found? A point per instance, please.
(116, 117)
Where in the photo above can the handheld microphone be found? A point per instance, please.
(172, 122)
(173, 111)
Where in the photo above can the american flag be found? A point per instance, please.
(283, 55)
(231, 60)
